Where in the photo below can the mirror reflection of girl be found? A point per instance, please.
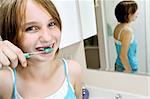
(126, 12)
(29, 26)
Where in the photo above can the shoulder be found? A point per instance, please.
(122, 30)
(74, 70)
(75, 74)
(126, 34)
(6, 83)
(74, 67)
(128, 30)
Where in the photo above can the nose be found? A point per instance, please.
(45, 35)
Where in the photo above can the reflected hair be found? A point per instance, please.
(124, 9)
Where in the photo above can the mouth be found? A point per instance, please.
(42, 48)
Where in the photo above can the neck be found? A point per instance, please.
(127, 24)
(38, 71)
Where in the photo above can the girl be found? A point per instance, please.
(29, 26)
(126, 45)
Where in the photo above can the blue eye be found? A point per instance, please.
(52, 24)
(32, 29)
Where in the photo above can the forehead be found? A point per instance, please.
(35, 11)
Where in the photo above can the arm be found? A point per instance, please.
(125, 41)
(9, 56)
(76, 74)
(6, 84)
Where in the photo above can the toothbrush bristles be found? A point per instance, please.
(48, 50)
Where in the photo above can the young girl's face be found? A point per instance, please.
(40, 31)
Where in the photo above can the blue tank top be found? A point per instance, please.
(70, 92)
(133, 61)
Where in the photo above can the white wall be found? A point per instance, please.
(71, 27)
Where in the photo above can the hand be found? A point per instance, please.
(11, 54)
(127, 70)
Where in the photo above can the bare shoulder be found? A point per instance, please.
(128, 30)
(126, 34)
(76, 75)
(121, 28)
(75, 72)
(6, 83)
(74, 67)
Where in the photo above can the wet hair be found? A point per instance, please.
(12, 17)
(124, 9)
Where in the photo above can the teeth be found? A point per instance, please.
(40, 49)
(43, 48)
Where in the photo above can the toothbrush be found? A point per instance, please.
(45, 50)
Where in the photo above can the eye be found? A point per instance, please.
(51, 24)
(32, 29)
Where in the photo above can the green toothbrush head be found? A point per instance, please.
(48, 50)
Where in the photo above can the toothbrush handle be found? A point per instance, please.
(46, 50)
(27, 55)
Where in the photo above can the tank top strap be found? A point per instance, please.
(70, 93)
(65, 69)
(124, 29)
(14, 81)
(120, 34)
(14, 85)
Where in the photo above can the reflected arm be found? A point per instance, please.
(125, 41)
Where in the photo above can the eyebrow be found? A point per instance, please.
(30, 23)
(33, 22)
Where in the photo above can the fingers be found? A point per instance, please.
(3, 59)
(10, 54)
(13, 58)
(0, 65)
(17, 52)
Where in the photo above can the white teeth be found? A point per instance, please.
(40, 49)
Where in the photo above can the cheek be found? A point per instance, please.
(59, 37)
(28, 42)
(57, 34)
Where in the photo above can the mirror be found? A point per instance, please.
(106, 23)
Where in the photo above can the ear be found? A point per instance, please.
(130, 17)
